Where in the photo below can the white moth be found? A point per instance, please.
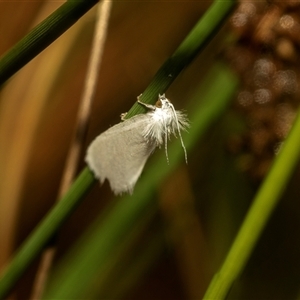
(120, 153)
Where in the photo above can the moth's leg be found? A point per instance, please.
(148, 106)
(123, 115)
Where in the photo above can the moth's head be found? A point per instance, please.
(163, 102)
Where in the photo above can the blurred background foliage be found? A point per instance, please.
(179, 244)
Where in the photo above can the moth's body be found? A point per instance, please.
(120, 153)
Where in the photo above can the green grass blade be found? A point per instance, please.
(196, 40)
(145, 259)
(45, 231)
(258, 215)
(42, 36)
(81, 267)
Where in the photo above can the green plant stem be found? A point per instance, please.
(42, 36)
(263, 205)
(45, 231)
(196, 40)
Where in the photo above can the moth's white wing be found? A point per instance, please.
(120, 153)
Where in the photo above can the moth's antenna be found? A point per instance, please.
(178, 128)
(166, 140)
